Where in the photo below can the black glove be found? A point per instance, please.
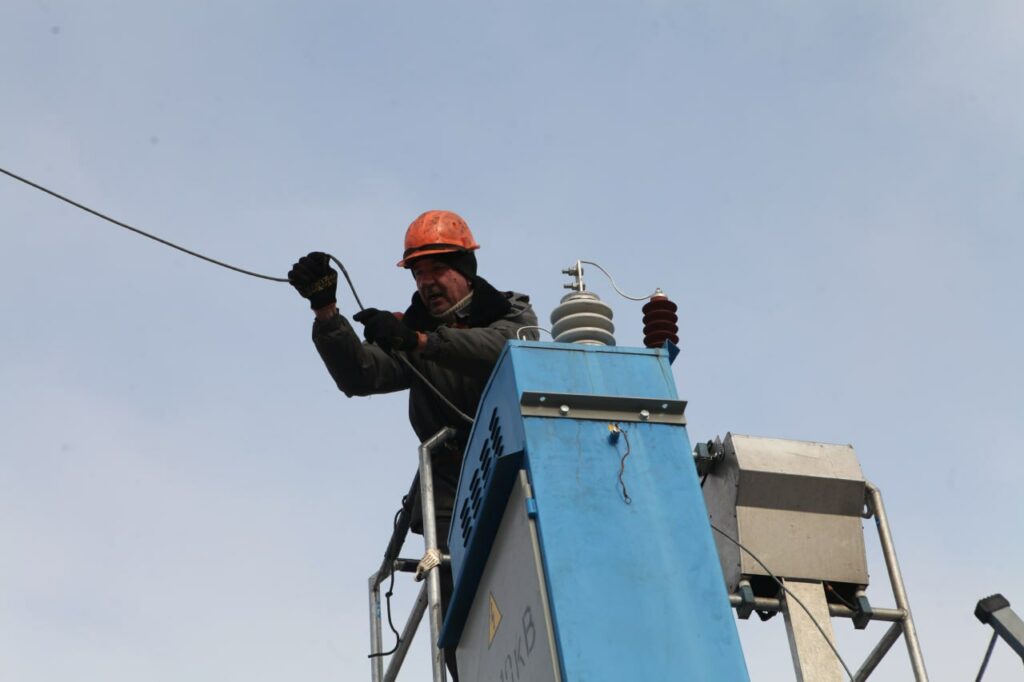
(315, 279)
(386, 330)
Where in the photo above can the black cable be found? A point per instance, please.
(391, 589)
(143, 232)
(398, 638)
(622, 465)
(988, 655)
(786, 590)
(426, 382)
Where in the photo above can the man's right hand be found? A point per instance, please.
(315, 279)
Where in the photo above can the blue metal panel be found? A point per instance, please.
(492, 458)
(636, 590)
(594, 370)
(496, 442)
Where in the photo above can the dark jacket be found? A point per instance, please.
(456, 360)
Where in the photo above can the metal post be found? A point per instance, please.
(879, 652)
(376, 662)
(408, 633)
(896, 578)
(988, 655)
(430, 544)
(813, 659)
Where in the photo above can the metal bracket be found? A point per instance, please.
(746, 606)
(864, 613)
(707, 456)
(603, 408)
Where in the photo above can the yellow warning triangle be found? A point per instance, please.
(494, 621)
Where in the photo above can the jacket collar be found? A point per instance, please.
(488, 305)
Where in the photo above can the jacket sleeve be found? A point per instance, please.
(357, 368)
(473, 352)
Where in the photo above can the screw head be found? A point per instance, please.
(644, 415)
(563, 410)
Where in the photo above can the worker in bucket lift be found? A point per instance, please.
(453, 333)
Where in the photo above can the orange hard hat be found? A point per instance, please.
(436, 232)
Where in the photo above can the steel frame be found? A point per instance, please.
(429, 599)
(901, 617)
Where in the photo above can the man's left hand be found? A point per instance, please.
(387, 331)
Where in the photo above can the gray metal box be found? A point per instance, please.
(797, 505)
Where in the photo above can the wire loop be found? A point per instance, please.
(519, 332)
(617, 289)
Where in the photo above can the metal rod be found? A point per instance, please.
(430, 543)
(899, 592)
(879, 652)
(405, 565)
(408, 633)
(771, 604)
(376, 664)
(988, 655)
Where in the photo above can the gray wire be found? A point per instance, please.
(426, 382)
(617, 289)
(404, 360)
(348, 279)
(462, 415)
(988, 655)
(142, 232)
(787, 591)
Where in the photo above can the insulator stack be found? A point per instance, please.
(582, 317)
(660, 322)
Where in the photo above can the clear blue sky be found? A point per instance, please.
(833, 192)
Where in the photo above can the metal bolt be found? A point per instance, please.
(644, 415)
(563, 410)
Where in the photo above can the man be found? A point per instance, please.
(453, 333)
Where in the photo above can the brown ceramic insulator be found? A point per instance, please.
(660, 322)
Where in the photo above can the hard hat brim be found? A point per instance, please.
(408, 260)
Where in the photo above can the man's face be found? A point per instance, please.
(440, 287)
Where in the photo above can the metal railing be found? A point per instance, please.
(429, 599)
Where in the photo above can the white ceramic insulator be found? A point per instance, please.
(582, 317)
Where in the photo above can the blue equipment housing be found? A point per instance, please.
(632, 579)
